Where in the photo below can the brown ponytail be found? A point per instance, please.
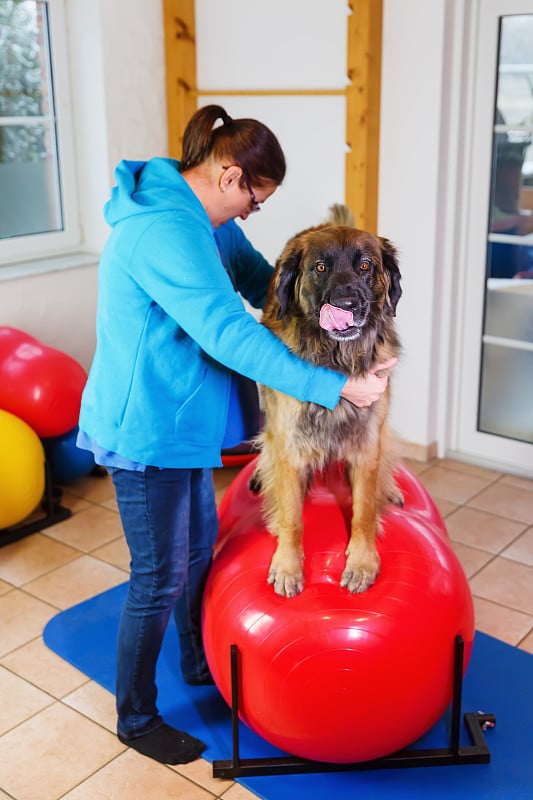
(244, 142)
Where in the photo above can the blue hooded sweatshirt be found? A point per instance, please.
(171, 326)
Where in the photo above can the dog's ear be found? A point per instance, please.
(389, 255)
(287, 269)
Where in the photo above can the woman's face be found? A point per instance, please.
(237, 197)
(255, 197)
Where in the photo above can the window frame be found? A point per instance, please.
(68, 240)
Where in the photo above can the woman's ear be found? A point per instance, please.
(230, 176)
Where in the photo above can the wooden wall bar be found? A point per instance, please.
(180, 54)
(362, 110)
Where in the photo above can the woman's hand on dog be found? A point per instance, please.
(362, 392)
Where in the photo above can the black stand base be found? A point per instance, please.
(476, 753)
(54, 512)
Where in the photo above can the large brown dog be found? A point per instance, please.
(332, 300)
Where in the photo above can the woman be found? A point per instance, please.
(170, 329)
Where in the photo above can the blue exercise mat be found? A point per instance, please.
(499, 681)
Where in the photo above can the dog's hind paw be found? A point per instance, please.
(285, 584)
(254, 484)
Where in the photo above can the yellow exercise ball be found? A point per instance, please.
(22, 470)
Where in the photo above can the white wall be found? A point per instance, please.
(410, 141)
(118, 87)
(117, 73)
(310, 55)
(57, 308)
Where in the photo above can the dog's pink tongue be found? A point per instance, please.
(333, 318)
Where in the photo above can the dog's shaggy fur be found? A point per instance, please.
(332, 300)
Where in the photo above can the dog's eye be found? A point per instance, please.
(364, 266)
(320, 266)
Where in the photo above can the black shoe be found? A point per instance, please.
(166, 745)
(202, 680)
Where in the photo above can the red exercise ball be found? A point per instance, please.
(10, 338)
(327, 675)
(39, 384)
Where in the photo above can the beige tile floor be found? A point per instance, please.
(57, 727)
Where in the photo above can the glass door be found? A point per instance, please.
(506, 381)
(494, 408)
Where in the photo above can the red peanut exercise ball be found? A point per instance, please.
(39, 384)
(328, 675)
(10, 338)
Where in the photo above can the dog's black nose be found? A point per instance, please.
(348, 297)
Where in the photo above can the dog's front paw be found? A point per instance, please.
(254, 483)
(286, 575)
(285, 584)
(358, 580)
(358, 577)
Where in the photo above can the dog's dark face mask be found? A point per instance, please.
(341, 277)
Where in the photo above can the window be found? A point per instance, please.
(37, 209)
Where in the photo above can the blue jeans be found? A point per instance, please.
(170, 522)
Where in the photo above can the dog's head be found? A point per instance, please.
(342, 278)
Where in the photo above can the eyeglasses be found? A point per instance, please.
(254, 203)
